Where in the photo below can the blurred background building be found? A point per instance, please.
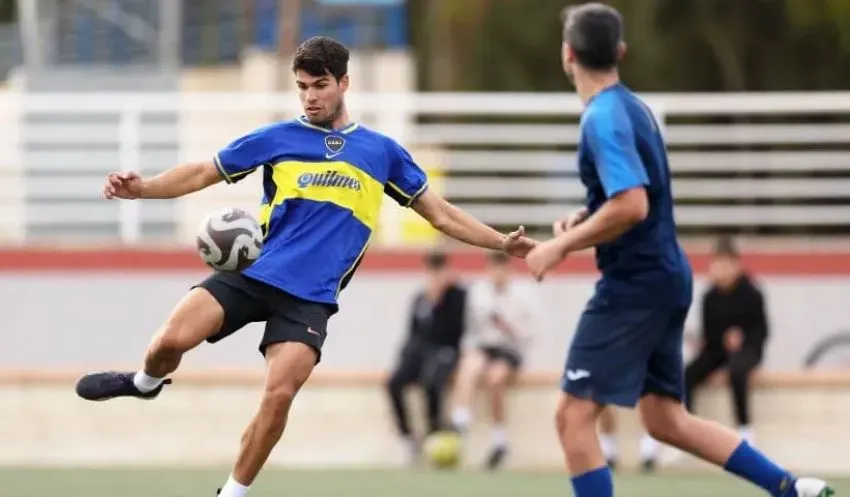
(754, 101)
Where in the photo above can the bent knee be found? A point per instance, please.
(561, 418)
(173, 339)
(279, 397)
(197, 317)
(575, 414)
(663, 419)
(496, 384)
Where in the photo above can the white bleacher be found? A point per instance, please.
(739, 175)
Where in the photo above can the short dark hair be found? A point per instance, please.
(436, 259)
(321, 55)
(725, 247)
(594, 32)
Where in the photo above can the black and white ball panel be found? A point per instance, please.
(230, 240)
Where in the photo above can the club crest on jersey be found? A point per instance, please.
(334, 143)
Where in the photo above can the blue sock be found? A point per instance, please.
(753, 466)
(594, 483)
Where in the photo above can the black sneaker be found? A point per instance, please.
(110, 384)
(497, 457)
(612, 464)
(648, 465)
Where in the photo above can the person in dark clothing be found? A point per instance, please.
(430, 353)
(734, 332)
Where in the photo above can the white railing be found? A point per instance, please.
(58, 146)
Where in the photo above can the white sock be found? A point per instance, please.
(609, 445)
(461, 417)
(410, 443)
(499, 437)
(648, 448)
(146, 383)
(747, 434)
(233, 488)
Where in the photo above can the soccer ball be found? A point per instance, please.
(443, 449)
(229, 240)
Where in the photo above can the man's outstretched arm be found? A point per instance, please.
(462, 226)
(181, 180)
(171, 183)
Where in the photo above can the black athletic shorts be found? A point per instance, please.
(287, 317)
(502, 354)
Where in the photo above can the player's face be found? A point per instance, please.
(724, 271)
(499, 273)
(321, 96)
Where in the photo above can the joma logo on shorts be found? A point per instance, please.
(330, 179)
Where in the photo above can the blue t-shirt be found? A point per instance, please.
(322, 198)
(621, 147)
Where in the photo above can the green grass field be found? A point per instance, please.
(334, 483)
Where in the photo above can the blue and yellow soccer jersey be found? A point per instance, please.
(322, 199)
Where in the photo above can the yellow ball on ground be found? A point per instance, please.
(443, 449)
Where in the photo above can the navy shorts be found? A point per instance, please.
(621, 353)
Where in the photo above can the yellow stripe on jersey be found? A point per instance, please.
(339, 183)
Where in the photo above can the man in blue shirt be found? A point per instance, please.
(324, 178)
(627, 348)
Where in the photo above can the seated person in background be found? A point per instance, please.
(502, 314)
(430, 353)
(734, 332)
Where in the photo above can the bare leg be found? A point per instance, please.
(668, 421)
(196, 317)
(576, 420)
(472, 365)
(499, 374)
(289, 364)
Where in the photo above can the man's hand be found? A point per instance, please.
(565, 224)
(126, 185)
(517, 244)
(544, 257)
(733, 339)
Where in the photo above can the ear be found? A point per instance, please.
(621, 50)
(344, 82)
(567, 54)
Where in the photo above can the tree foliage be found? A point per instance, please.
(7, 11)
(674, 45)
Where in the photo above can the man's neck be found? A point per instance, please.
(435, 291)
(590, 83)
(341, 120)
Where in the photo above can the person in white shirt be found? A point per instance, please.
(502, 315)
